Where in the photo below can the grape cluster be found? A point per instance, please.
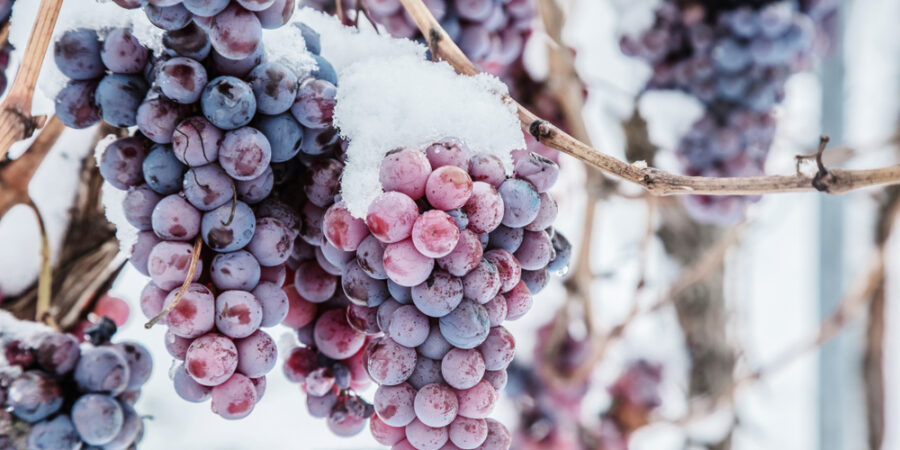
(635, 394)
(234, 27)
(417, 291)
(59, 395)
(217, 139)
(492, 33)
(736, 61)
(548, 410)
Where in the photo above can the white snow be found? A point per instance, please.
(390, 97)
(112, 203)
(281, 45)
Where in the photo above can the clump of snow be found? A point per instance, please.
(282, 44)
(390, 97)
(112, 203)
(13, 329)
(344, 46)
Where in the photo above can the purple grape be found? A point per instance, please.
(439, 295)
(74, 105)
(229, 227)
(140, 252)
(102, 369)
(362, 289)
(238, 314)
(313, 283)
(123, 53)
(228, 103)
(507, 238)
(56, 433)
(190, 42)
(536, 250)
(536, 280)
(98, 418)
(157, 118)
(537, 170)
(236, 270)
(205, 8)
(448, 152)
(182, 79)
(235, 32)
(435, 346)
(174, 17)
(245, 153)
(138, 206)
(256, 354)
(386, 313)
(314, 105)
(276, 15)
(388, 362)
(77, 54)
(275, 87)
(187, 388)
(467, 326)
(324, 181)
(274, 303)
(140, 363)
(485, 209)
(521, 202)
(196, 141)
(163, 172)
(394, 404)
(465, 257)
(408, 326)
(57, 353)
(240, 67)
(370, 257)
(194, 315)
(120, 164)
(285, 135)
(462, 369)
(34, 396)
(207, 187)
(118, 96)
(174, 219)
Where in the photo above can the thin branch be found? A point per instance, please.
(45, 278)
(17, 174)
(192, 269)
(16, 121)
(655, 181)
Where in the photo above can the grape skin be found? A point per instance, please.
(77, 54)
(211, 359)
(228, 102)
(34, 396)
(394, 404)
(74, 104)
(123, 53)
(335, 338)
(274, 301)
(462, 369)
(194, 315)
(56, 433)
(235, 398)
(235, 270)
(102, 369)
(187, 388)
(408, 327)
(118, 97)
(257, 354)
(238, 314)
(222, 236)
(98, 418)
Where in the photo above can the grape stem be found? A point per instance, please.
(192, 269)
(16, 121)
(655, 181)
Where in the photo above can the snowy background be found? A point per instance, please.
(773, 275)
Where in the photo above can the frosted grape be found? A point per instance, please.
(467, 326)
(435, 234)
(194, 314)
(211, 359)
(238, 314)
(391, 216)
(229, 227)
(394, 404)
(423, 437)
(313, 283)
(235, 270)
(335, 338)
(235, 398)
(174, 219)
(405, 171)
(438, 295)
(485, 209)
(98, 418)
(196, 141)
(388, 362)
(448, 187)
(461, 368)
(274, 302)
(257, 354)
(408, 326)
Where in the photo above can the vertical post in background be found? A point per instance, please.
(841, 416)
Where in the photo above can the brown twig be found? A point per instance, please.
(16, 121)
(655, 181)
(192, 269)
(17, 174)
(86, 261)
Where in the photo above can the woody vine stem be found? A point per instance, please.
(655, 181)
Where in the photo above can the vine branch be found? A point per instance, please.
(16, 121)
(655, 181)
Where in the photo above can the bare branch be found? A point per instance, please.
(16, 121)
(17, 174)
(655, 181)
